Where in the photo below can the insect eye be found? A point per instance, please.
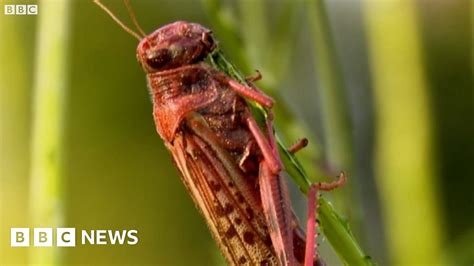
(159, 58)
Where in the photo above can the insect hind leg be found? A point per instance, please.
(311, 223)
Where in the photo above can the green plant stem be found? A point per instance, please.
(254, 20)
(47, 130)
(405, 169)
(14, 130)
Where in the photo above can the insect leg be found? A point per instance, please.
(293, 149)
(264, 145)
(298, 145)
(270, 134)
(170, 116)
(277, 210)
(251, 93)
(311, 221)
(246, 154)
(311, 226)
(255, 77)
(341, 180)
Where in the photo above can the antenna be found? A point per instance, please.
(131, 13)
(120, 23)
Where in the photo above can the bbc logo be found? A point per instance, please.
(20, 9)
(43, 237)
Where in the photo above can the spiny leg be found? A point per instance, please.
(274, 192)
(311, 222)
(311, 226)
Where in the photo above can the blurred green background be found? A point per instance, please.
(383, 89)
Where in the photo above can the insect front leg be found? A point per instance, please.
(250, 93)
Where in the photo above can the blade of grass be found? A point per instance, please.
(15, 83)
(282, 42)
(334, 109)
(253, 22)
(46, 204)
(405, 170)
(226, 29)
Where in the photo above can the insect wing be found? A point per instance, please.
(237, 227)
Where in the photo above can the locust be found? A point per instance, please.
(229, 163)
